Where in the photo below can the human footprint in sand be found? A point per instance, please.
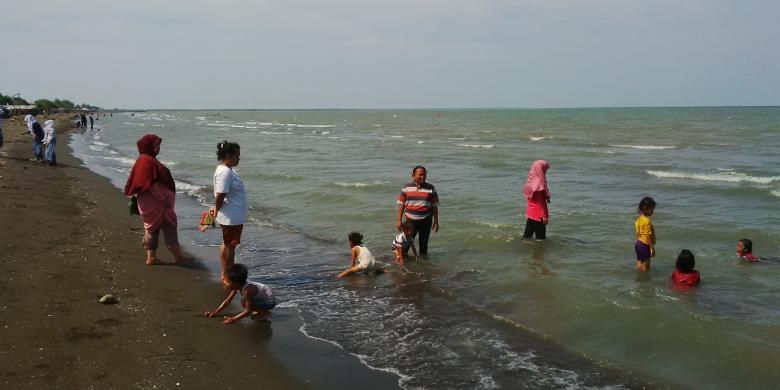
(257, 301)
(151, 182)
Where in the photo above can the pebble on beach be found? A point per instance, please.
(108, 299)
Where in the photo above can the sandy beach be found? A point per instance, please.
(68, 239)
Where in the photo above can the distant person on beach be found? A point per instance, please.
(537, 194)
(684, 275)
(229, 202)
(83, 121)
(50, 142)
(2, 115)
(362, 259)
(37, 142)
(645, 234)
(403, 242)
(91, 122)
(257, 299)
(151, 182)
(745, 250)
(418, 203)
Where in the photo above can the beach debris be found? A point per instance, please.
(109, 299)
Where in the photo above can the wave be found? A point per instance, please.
(188, 188)
(98, 143)
(731, 177)
(359, 184)
(538, 138)
(457, 138)
(123, 160)
(482, 146)
(775, 193)
(310, 126)
(644, 147)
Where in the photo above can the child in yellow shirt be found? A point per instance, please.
(645, 234)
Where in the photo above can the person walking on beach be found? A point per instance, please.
(151, 182)
(418, 203)
(537, 194)
(91, 122)
(37, 142)
(83, 121)
(49, 142)
(229, 202)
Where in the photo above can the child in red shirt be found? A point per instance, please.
(538, 195)
(745, 250)
(684, 275)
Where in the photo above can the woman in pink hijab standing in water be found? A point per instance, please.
(538, 195)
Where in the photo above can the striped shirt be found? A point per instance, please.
(418, 202)
(401, 242)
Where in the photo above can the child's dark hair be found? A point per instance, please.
(418, 167)
(646, 203)
(685, 261)
(747, 244)
(237, 273)
(356, 238)
(408, 225)
(225, 149)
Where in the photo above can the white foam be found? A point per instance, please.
(187, 188)
(238, 126)
(644, 147)
(123, 160)
(775, 193)
(457, 138)
(276, 133)
(169, 162)
(538, 138)
(98, 143)
(310, 126)
(358, 184)
(730, 177)
(420, 142)
(482, 146)
(97, 148)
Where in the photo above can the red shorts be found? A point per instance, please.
(231, 234)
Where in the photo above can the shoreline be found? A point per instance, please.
(69, 239)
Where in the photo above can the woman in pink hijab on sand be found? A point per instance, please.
(538, 195)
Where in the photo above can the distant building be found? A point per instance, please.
(20, 109)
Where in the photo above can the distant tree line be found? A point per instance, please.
(47, 105)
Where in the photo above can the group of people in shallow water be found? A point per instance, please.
(44, 140)
(418, 214)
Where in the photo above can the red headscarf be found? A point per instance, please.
(537, 181)
(147, 169)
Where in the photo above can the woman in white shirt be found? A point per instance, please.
(230, 202)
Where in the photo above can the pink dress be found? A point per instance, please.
(156, 207)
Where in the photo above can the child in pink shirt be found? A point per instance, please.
(538, 195)
(745, 250)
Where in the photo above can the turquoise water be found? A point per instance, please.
(488, 310)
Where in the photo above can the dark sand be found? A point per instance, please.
(67, 238)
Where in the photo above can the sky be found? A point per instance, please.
(199, 54)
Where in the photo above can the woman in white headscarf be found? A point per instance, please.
(49, 142)
(30, 119)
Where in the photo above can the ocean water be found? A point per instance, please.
(488, 310)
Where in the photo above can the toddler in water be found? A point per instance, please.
(684, 275)
(645, 234)
(258, 299)
(403, 242)
(745, 250)
(365, 260)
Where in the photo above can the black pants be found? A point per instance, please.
(423, 228)
(537, 227)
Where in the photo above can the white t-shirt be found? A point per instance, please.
(365, 259)
(233, 211)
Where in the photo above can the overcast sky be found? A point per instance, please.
(392, 54)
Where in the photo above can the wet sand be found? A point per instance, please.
(67, 239)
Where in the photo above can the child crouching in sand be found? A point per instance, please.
(361, 255)
(258, 299)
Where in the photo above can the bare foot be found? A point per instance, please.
(153, 261)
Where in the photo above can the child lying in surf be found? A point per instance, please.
(362, 259)
(745, 250)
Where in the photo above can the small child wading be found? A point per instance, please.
(645, 234)
(362, 259)
(403, 242)
(257, 301)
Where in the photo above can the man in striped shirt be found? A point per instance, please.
(419, 204)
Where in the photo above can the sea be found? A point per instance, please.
(486, 309)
